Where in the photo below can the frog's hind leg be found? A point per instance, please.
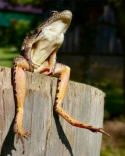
(64, 73)
(19, 84)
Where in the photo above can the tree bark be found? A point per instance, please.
(51, 135)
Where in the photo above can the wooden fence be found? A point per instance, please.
(50, 135)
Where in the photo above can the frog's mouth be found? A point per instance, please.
(51, 37)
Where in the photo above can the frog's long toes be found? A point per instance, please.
(21, 134)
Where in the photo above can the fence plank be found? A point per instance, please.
(50, 135)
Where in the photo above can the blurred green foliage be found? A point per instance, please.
(19, 30)
(114, 101)
(19, 25)
(14, 34)
(26, 2)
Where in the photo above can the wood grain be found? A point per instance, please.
(50, 135)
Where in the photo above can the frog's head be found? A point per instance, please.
(49, 36)
(55, 25)
(58, 22)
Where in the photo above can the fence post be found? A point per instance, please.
(50, 135)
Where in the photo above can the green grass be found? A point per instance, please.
(7, 55)
(113, 152)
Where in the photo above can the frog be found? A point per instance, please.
(38, 55)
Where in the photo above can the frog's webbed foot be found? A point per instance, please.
(21, 134)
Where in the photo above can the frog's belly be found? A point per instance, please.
(39, 58)
(40, 53)
(43, 48)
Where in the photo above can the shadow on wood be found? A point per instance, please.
(49, 135)
(61, 134)
(8, 144)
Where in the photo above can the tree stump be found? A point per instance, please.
(51, 135)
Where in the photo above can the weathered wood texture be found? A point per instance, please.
(50, 135)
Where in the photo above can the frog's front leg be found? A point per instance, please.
(19, 84)
(64, 73)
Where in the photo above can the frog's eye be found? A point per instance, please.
(54, 12)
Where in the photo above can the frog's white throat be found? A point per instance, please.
(48, 41)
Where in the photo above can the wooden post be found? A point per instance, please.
(50, 135)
